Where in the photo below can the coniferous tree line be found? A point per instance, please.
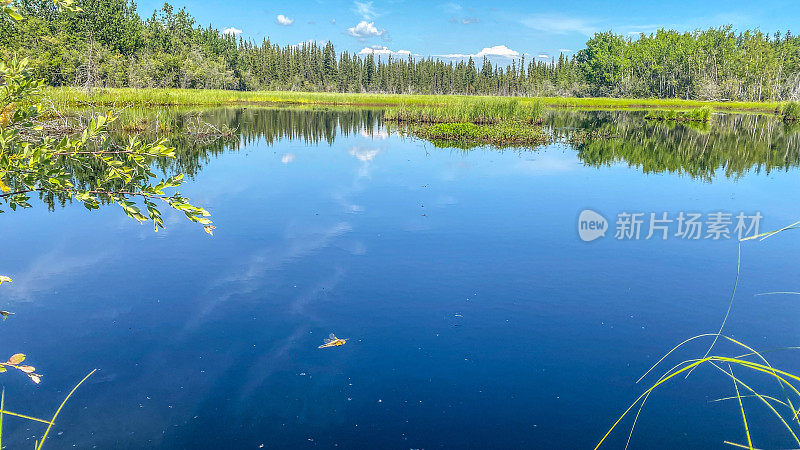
(110, 45)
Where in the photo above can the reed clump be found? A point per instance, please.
(504, 134)
(702, 115)
(480, 112)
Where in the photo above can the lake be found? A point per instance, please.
(476, 315)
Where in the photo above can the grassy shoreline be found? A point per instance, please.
(197, 97)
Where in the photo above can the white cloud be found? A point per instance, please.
(365, 10)
(635, 30)
(497, 50)
(465, 20)
(365, 29)
(452, 6)
(333, 21)
(284, 20)
(565, 50)
(380, 50)
(364, 154)
(558, 24)
(375, 134)
(300, 44)
(232, 30)
(542, 56)
(288, 158)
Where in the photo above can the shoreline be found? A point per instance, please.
(150, 97)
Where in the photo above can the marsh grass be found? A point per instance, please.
(481, 112)
(467, 135)
(65, 97)
(700, 115)
(782, 405)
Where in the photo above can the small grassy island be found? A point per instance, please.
(702, 115)
(502, 122)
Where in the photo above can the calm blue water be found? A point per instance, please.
(476, 316)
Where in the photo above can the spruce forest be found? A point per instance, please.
(109, 45)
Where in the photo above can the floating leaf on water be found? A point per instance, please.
(4, 279)
(2, 369)
(27, 369)
(36, 378)
(5, 314)
(16, 359)
(209, 229)
(332, 341)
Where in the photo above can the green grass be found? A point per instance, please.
(481, 112)
(781, 406)
(468, 135)
(50, 423)
(197, 97)
(702, 115)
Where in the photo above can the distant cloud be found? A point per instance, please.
(232, 30)
(288, 158)
(542, 56)
(333, 21)
(284, 20)
(558, 24)
(497, 50)
(365, 29)
(635, 30)
(365, 10)
(380, 50)
(565, 50)
(364, 154)
(465, 20)
(306, 42)
(452, 6)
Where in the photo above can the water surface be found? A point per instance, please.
(476, 316)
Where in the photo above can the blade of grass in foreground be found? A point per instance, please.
(2, 407)
(53, 420)
(741, 407)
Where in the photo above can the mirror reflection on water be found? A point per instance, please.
(474, 314)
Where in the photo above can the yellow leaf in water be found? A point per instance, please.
(4, 279)
(35, 378)
(27, 369)
(209, 229)
(16, 359)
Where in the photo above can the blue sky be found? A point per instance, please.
(499, 28)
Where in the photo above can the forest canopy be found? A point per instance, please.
(109, 45)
